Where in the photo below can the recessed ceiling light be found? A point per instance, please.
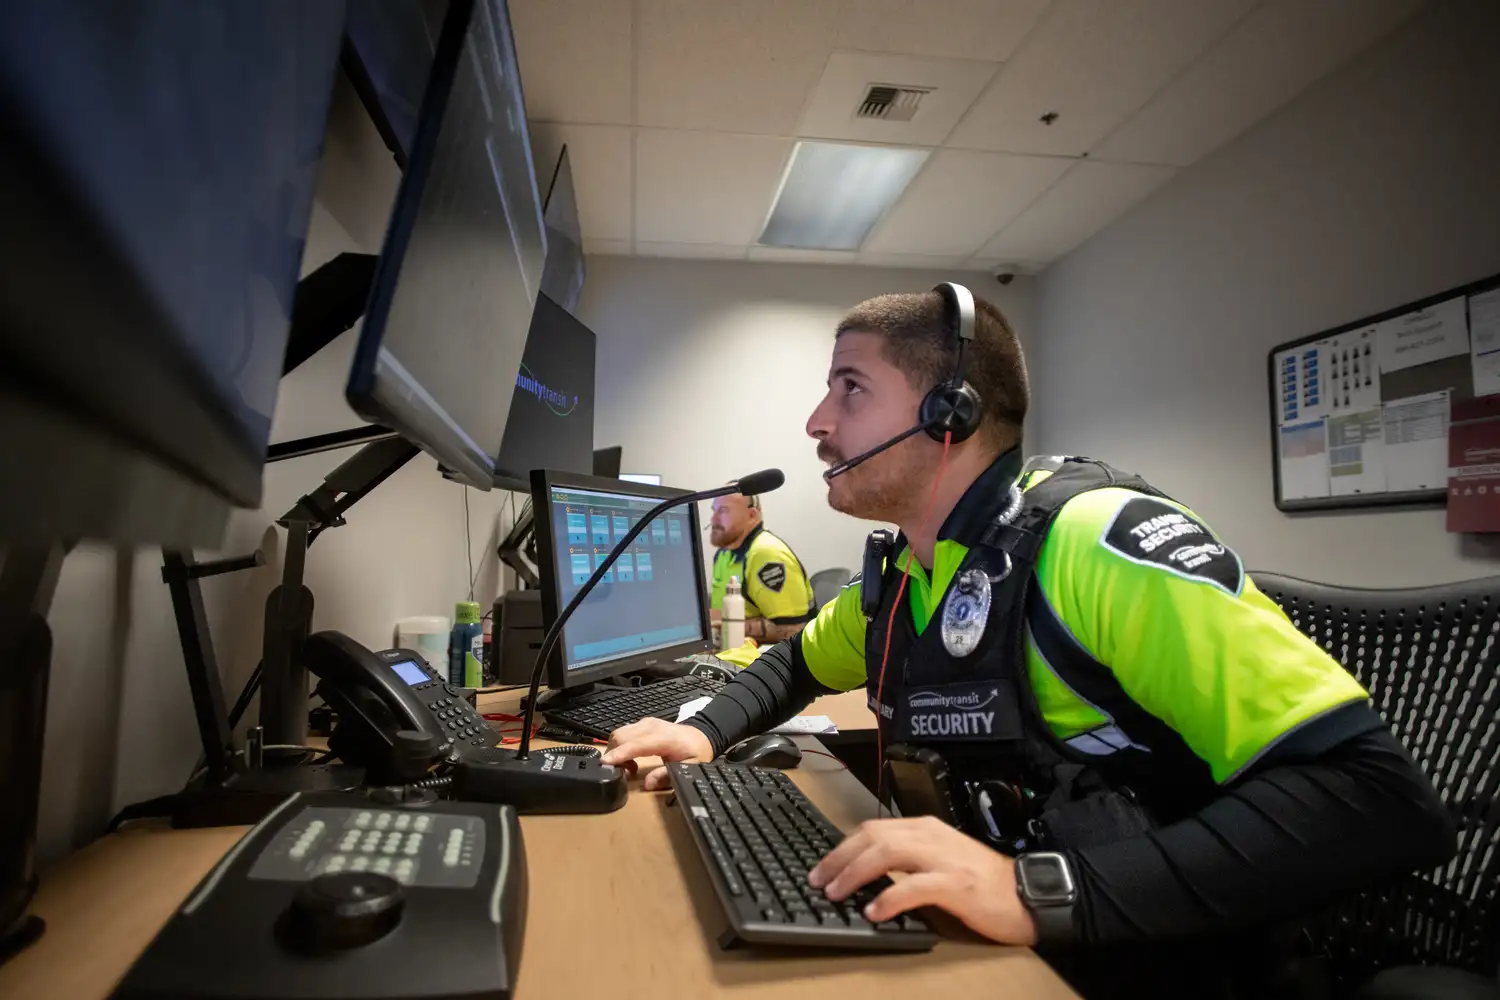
(833, 194)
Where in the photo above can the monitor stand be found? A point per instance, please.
(27, 582)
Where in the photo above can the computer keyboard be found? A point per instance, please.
(759, 835)
(660, 700)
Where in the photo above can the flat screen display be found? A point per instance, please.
(460, 270)
(647, 601)
(551, 421)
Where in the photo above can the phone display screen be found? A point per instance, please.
(410, 672)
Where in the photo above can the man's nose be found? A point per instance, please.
(819, 426)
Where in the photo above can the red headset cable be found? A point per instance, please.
(890, 625)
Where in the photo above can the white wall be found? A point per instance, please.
(710, 369)
(1379, 185)
(120, 723)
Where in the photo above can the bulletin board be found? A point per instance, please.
(1360, 413)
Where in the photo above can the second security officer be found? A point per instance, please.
(1151, 769)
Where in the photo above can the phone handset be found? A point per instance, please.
(383, 725)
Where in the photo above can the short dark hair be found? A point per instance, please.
(920, 342)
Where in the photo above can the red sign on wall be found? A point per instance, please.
(1474, 464)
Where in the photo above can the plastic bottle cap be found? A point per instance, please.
(467, 612)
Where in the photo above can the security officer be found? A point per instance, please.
(1151, 768)
(778, 596)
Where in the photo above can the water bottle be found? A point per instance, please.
(466, 647)
(732, 615)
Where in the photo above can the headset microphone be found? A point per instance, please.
(951, 410)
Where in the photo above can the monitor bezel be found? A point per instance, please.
(559, 677)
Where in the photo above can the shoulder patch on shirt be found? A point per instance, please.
(1148, 531)
(772, 575)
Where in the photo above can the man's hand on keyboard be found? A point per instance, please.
(943, 867)
(657, 738)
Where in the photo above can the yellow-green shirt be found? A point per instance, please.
(771, 579)
(1205, 652)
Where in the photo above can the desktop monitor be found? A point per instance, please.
(562, 278)
(649, 609)
(551, 421)
(458, 275)
(158, 161)
(607, 461)
(388, 50)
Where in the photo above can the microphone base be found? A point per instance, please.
(546, 782)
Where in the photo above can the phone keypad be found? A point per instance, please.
(462, 722)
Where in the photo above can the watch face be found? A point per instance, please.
(1046, 878)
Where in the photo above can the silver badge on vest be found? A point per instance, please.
(966, 612)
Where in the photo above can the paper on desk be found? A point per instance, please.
(802, 725)
(807, 725)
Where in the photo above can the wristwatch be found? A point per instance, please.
(1044, 881)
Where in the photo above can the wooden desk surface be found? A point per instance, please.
(849, 711)
(619, 905)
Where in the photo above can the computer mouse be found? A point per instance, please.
(769, 750)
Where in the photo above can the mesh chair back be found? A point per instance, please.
(826, 583)
(1428, 656)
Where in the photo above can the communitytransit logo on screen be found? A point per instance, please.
(559, 403)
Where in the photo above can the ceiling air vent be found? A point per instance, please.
(891, 103)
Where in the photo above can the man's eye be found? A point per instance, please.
(851, 387)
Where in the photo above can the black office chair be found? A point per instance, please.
(1429, 658)
(826, 584)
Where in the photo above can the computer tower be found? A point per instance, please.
(516, 636)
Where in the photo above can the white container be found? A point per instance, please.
(732, 615)
(428, 635)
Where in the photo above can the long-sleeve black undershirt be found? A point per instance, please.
(765, 694)
(1280, 841)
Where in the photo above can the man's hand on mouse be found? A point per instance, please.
(670, 741)
(943, 867)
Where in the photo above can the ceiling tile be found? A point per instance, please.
(961, 199)
(730, 66)
(793, 255)
(1087, 199)
(606, 248)
(600, 158)
(846, 79)
(707, 251)
(1010, 266)
(575, 59)
(705, 187)
(912, 260)
(1094, 63)
(1268, 59)
(951, 29)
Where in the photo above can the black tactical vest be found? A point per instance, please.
(978, 710)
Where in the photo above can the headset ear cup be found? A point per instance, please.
(952, 410)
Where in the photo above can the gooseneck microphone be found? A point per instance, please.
(757, 482)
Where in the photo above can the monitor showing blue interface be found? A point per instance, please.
(649, 599)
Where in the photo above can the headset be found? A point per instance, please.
(951, 410)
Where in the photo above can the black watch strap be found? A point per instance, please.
(1054, 924)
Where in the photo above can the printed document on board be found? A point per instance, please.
(1416, 442)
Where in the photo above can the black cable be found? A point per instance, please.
(252, 685)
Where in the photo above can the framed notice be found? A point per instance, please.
(1360, 414)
